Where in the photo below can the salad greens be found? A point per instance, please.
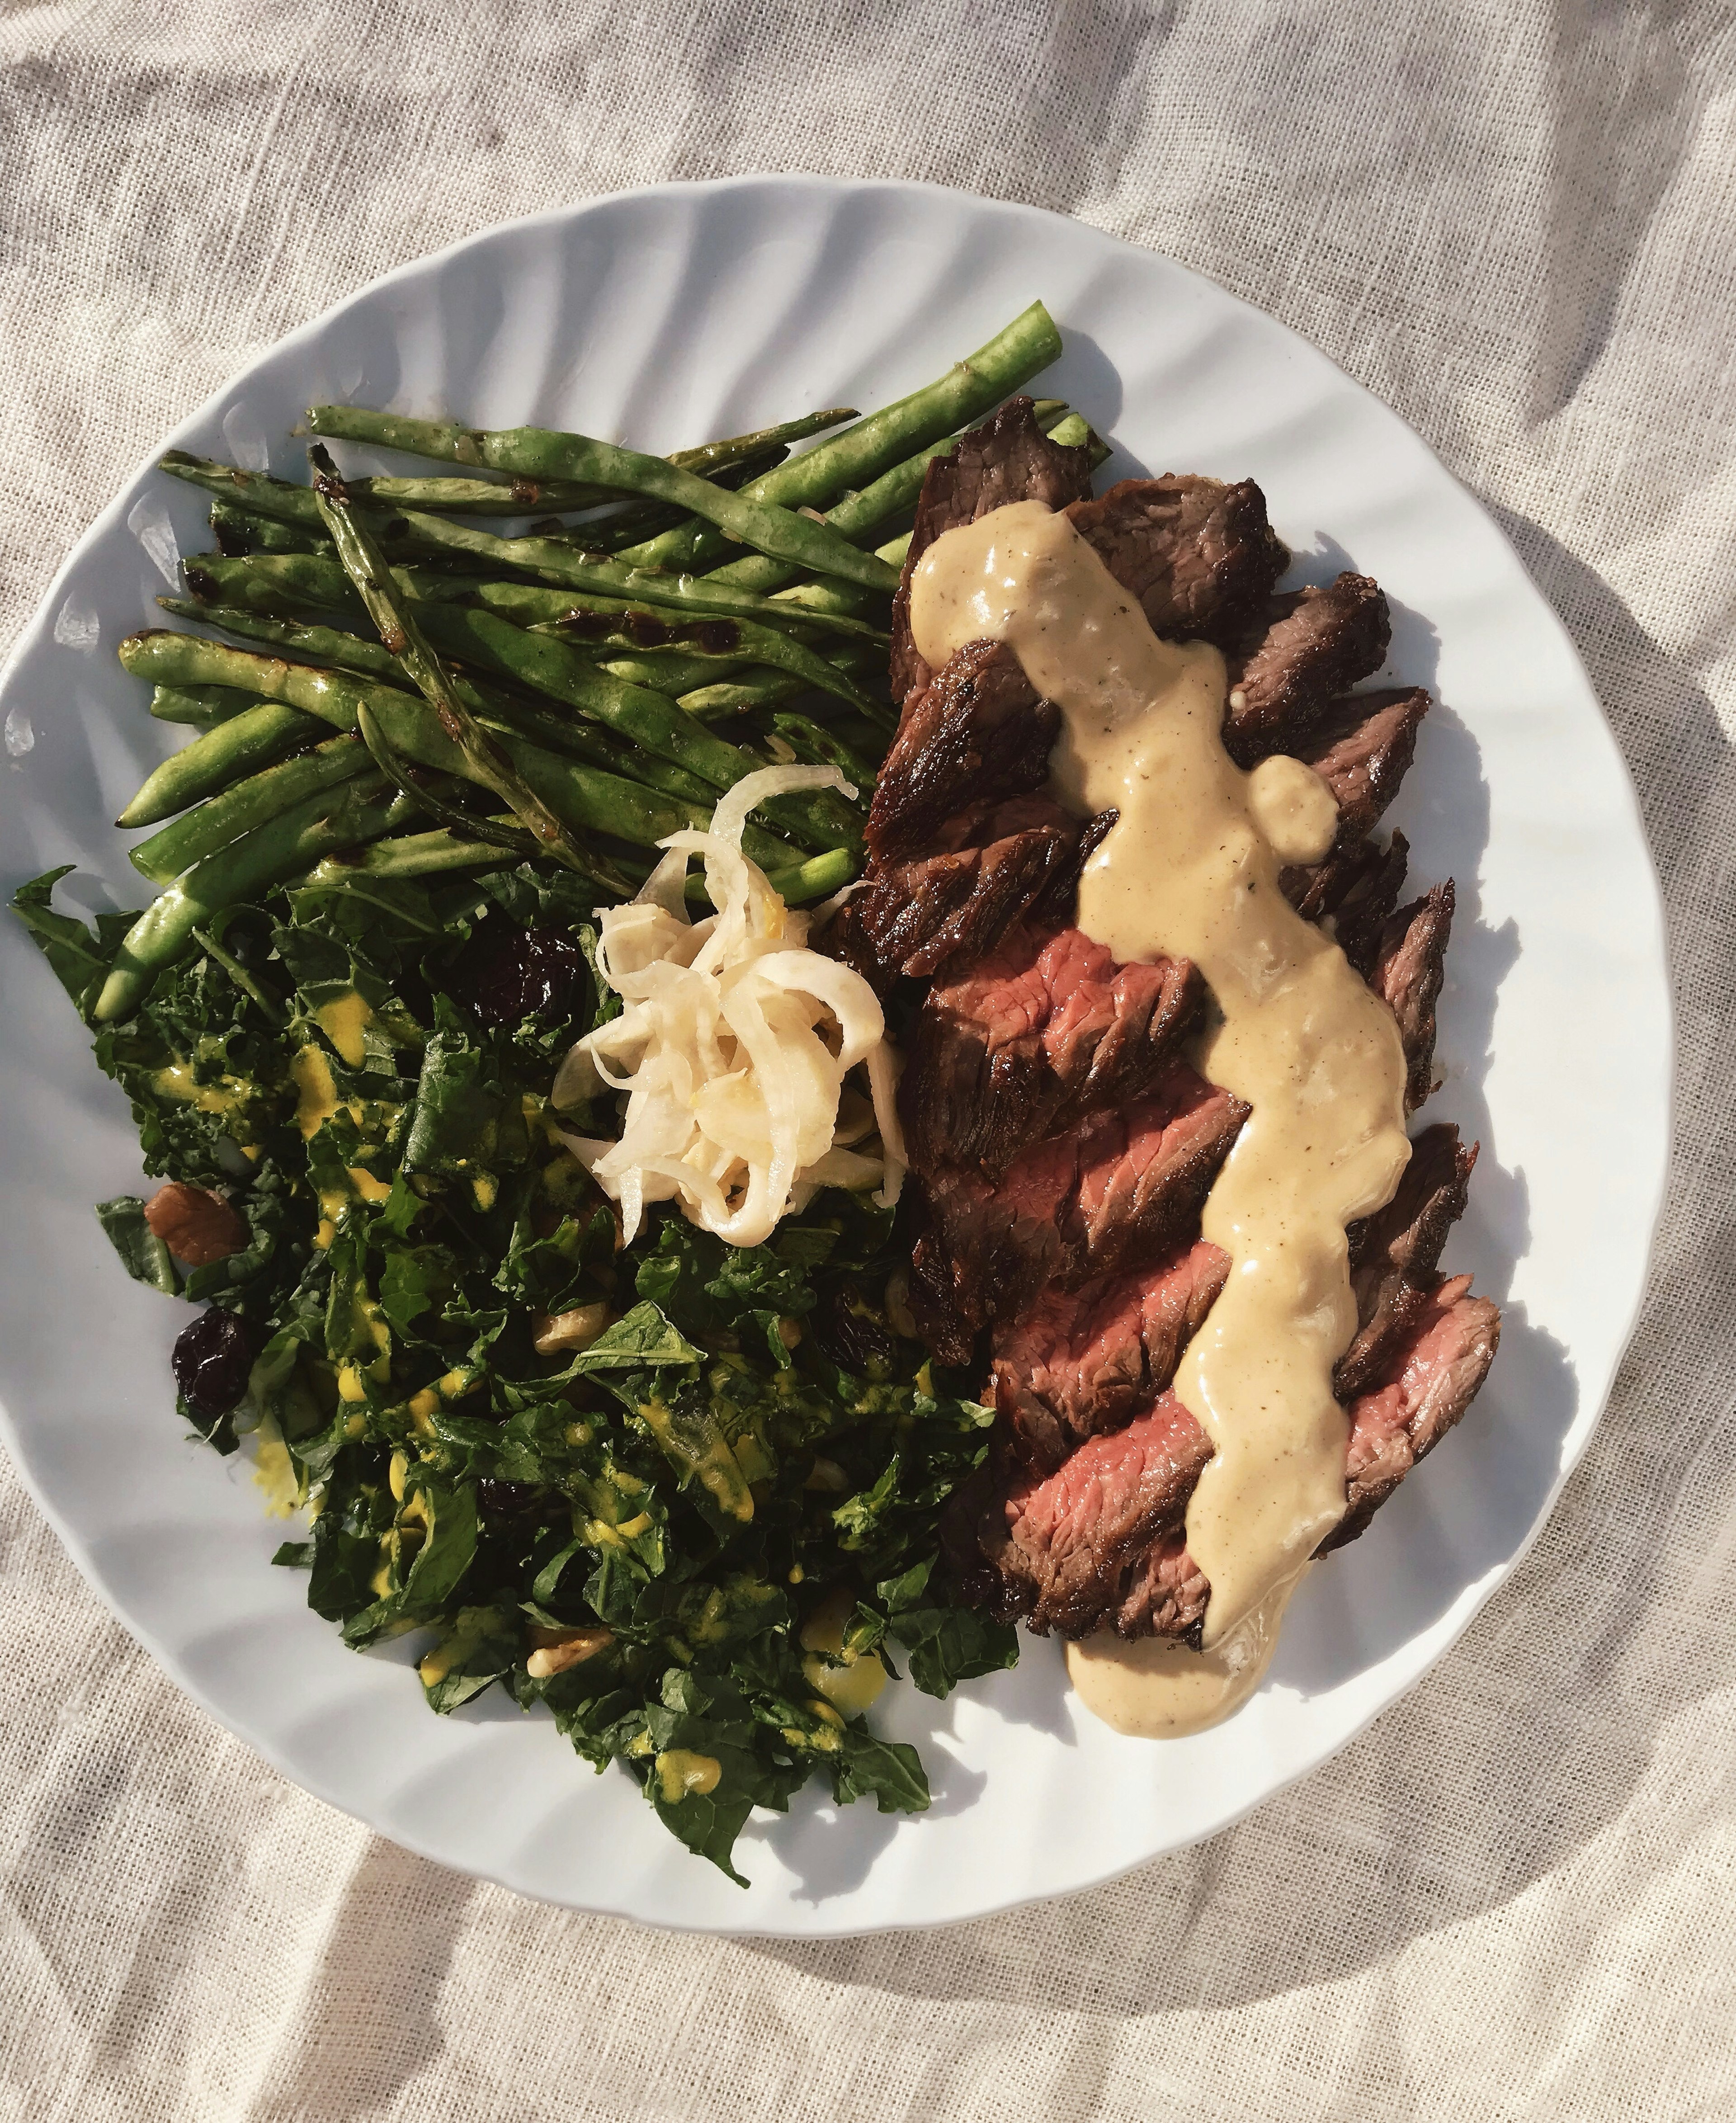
(748, 1442)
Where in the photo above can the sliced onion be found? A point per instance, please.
(733, 1043)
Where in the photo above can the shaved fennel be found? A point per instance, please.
(733, 1044)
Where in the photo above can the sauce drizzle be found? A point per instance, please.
(1190, 871)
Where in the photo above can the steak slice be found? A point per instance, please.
(1068, 1550)
(1199, 555)
(1043, 1031)
(1008, 459)
(1318, 643)
(1394, 1253)
(1432, 1378)
(1362, 750)
(1078, 1205)
(974, 734)
(1409, 963)
(915, 917)
(1078, 1363)
(1100, 1543)
(1355, 889)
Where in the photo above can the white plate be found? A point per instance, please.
(667, 316)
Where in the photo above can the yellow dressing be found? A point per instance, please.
(316, 1098)
(849, 1681)
(345, 1021)
(679, 1771)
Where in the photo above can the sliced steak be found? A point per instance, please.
(1067, 1551)
(1124, 1185)
(1362, 750)
(1008, 459)
(1355, 889)
(1077, 1363)
(916, 917)
(1433, 1378)
(1099, 1542)
(974, 734)
(1043, 1030)
(1394, 1255)
(1199, 555)
(1408, 966)
(1319, 643)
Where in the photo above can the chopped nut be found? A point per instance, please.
(790, 1332)
(576, 1330)
(196, 1225)
(558, 1649)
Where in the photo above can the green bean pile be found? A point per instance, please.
(575, 674)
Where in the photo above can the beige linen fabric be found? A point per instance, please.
(1514, 1896)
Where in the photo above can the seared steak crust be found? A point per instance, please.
(1356, 888)
(916, 917)
(1030, 1038)
(975, 732)
(1431, 1380)
(1008, 459)
(1394, 1253)
(1319, 642)
(1199, 555)
(1410, 964)
(1362, 749)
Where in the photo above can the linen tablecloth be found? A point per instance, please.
(1513, 1896)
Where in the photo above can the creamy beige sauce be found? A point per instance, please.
(1156, 1689)
(1190, 871)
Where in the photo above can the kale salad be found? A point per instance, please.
(683, 1490)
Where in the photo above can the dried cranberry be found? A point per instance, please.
(211, 1358)
(506, 973)
(501, 1500)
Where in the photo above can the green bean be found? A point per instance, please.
(245, 805)
(814, 746)
(239, 530)
(732, 640)
(590, 801)
(484, 763)
(274, 585)
(331, 649)
(306, 643)
(820, 478)
(284, 847)
(284, 582)
(865, 514)
(732, 697)
(604, 577)
(547, 665)
(293, 504)
(203, 706)
(545, 452)
(815, 878)
(263, 733)
(406, 855)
